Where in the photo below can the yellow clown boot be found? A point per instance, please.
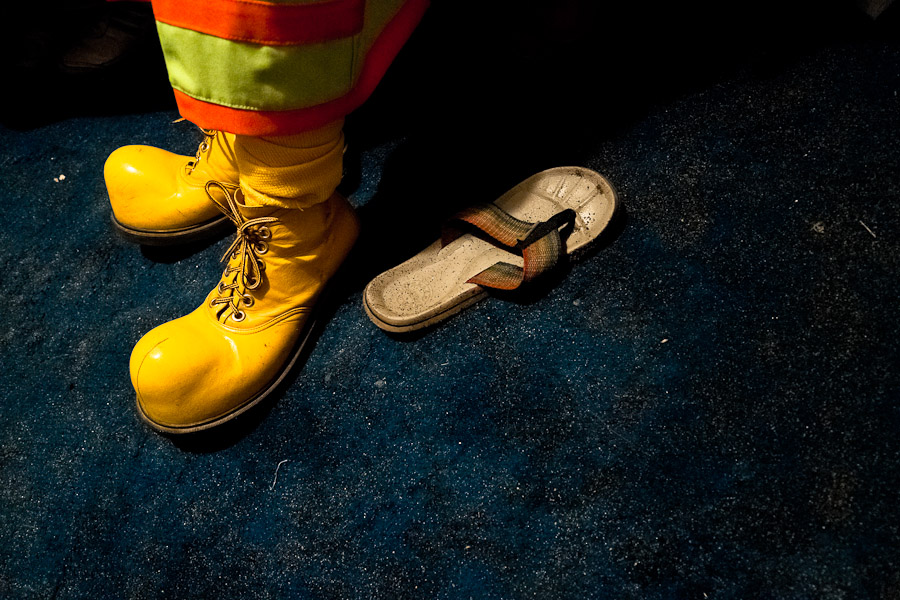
(159, 198)
(215, 363)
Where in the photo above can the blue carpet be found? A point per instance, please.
(706, 407)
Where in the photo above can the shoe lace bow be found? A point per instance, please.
(243, 259)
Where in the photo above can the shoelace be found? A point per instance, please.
(203, 148)
(244, 267)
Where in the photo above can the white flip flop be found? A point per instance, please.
(525, 228)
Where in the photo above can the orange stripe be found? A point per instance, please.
(265, 22)
(287, 122)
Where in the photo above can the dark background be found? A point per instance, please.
(706, 407)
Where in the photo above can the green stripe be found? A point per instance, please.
(242, 75)
(256, 77)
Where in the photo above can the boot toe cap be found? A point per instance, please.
(178, 387)
(137, 178)
(149, 190)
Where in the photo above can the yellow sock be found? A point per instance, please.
(294, 171)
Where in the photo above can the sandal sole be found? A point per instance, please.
(472, 294)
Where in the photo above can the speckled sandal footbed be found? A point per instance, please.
(526, 224)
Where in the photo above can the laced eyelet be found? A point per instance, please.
(221, 287)
(247, 300)
(262, 264)
(238, 316)
(264, 233)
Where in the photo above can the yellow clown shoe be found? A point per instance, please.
(159, 198)
(215, 363)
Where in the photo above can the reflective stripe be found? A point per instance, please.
(273, 24)
(240, 75)
(219, 93)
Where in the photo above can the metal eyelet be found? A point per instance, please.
(247, 300)
(204, 147)
(262, 264)
(261, 247)
(264, 233)
(221, 287)
(238, 316)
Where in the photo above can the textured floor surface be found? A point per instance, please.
(707, 407)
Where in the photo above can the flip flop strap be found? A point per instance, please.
(541, 245)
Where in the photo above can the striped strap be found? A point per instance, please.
(541, 245)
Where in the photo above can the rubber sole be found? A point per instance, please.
(204, 231)
(434, 320)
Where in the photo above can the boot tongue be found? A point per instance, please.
(252, 212)
(244, 270)
(231, 200)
